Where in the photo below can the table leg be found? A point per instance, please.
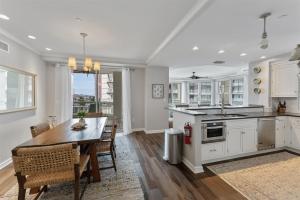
(94, 163)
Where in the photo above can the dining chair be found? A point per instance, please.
(107, 134)
(106, 147)
(41, 166)
(39, 128)
(94, 114)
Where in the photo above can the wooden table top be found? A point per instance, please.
(63, 133)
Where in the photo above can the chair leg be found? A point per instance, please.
(76, 183)
(21, 181)
(22, 193)
(114, 150)
(88, 169)
(113, 159)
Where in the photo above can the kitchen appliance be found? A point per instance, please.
(213, 132)
(266, 133)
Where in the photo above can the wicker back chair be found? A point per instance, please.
(39, 128)
(107, 147)
(46, 165)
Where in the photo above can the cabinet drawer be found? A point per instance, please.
(213, 150)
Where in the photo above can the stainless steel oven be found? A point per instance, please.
(213, 132)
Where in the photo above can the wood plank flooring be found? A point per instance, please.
(159, 179)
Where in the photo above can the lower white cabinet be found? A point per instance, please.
(280, 132)
(213, 150)
(294, 133)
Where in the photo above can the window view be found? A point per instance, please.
(95, 93)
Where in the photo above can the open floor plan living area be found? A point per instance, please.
(149, 100)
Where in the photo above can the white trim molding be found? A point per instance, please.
(5, 163)
(154, 131)
(194, 169)
(138, 129)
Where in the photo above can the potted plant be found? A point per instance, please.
(81, 115)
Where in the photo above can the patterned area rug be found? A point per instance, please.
(273, 176)
(120, 185)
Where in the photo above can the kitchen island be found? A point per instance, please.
(237, 134)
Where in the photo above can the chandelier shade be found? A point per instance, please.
(72, 63)
(88, 64)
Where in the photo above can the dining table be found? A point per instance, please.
(86, 138)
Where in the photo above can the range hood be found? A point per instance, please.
(296, 54)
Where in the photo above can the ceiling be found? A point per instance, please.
(233, 26)
(130, 29)
(156, 32)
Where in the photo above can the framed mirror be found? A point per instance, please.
(17, 90)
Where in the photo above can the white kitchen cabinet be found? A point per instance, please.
(295, 133)
(280, 132)
(213, 150)
(249, 140)
(241, 136)
(233, 141)
(284, 79)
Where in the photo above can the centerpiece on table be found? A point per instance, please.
(81, 123)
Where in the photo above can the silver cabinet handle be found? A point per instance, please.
(212, 150)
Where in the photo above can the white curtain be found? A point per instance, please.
(126, 100)
(63, 93)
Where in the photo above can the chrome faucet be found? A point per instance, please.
(222, 99)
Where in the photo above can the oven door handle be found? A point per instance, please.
(215, 127)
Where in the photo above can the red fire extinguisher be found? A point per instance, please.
(187, 133)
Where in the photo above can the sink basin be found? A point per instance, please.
(231, 115)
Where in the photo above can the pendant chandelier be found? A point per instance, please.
(88, 65)
(264, 40)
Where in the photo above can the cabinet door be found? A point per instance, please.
(234, 141)
(284, 80)
(249, 140)
(280, 133)
(295, 136)
(213, 150)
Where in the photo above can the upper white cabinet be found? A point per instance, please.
(284, 79)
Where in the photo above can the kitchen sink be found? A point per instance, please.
(231, 115)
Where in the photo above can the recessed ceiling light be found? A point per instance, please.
(195, 48)
(31, 37)
(5, 17)
(221, 51)
(263, 57)
(78, 19)
(48, 49)
(243, 54)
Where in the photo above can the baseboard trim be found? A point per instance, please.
(5, 163)
(138, 129)
(194, 169)
(154, 131)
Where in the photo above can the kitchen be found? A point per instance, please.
(263, 118)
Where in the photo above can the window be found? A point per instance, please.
(95, 93)
(175, 93)
(237, 91)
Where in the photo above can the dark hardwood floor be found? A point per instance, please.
(159, 179)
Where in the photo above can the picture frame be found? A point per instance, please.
(157, 91)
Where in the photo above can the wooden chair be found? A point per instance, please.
(40, 166)
(106, 147)
(94, 115)
(107, 134)
(39, 128)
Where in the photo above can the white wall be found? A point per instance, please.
(138, 99)
(156, 112)
(15, 126)
(264, 98)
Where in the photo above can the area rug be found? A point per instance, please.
(121, 185)
(273, 176)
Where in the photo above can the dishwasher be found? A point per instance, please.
(266, 133)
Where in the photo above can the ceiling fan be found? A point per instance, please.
(197, 77)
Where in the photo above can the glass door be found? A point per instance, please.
(205, 93)
(176, 93)
(193, 93)
(237, 91)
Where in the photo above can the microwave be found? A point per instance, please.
(213, 132)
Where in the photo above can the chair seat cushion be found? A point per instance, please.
(103, 146)
(55, 177)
